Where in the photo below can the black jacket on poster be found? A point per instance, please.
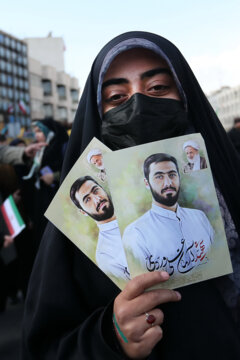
(68, 312)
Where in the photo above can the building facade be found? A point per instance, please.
(15, 108)
(226, 103)
(53, 92)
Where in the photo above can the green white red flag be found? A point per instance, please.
(12, 217)
(22, 107)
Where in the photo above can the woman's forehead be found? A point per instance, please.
(134, 60)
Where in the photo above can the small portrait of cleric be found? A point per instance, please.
(93, 201)
(95, 157)
(165, 236)
(194, 160)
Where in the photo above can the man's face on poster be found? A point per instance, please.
(191, 153)
(97, 160)
(94, 201)
(164, 182)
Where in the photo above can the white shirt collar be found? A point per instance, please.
(108, 225)
(167, 213)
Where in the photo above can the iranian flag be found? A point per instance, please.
(12, 217)
(22, 107)
(10, 109)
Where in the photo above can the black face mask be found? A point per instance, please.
(143, 119)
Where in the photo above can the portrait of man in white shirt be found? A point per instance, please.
(168, 236)
(92, 200)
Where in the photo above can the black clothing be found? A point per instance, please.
(41, 197)
(234, 135)
(68, 311)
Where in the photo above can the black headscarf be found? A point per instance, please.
(69, 304)
(222, 155)
(53, 153)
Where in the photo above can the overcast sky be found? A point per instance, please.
(207, 32)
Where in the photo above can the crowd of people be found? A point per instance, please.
(30, 173)
(140, 89)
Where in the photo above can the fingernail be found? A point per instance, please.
(164, 275)
(179, 296)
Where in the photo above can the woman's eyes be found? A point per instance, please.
(158, 90)
(116, 98)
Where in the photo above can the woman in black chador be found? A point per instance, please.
(140, 89)
(42, 181)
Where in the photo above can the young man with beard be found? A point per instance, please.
(195, 161)
(165, 237)
(92, 200)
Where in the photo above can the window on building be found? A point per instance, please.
(24, 48)
(20, 60)
(10, 94)
(2, 51)
(27, 97)
(14, 56)
(1, 38)
(25, 61)
(48, 110)
(21, 95)
(74, 95)
(15, 82)
(47, 87)
(62, 113)
(8, 54)
(15, 69)
(36, 106)
(20, 71)
(21, 83)
(19, 46)
(3, 92)
(61, 89)
(2, 65)
(9, 67)
(25, 73)
(10, 80)
(13, 44)
(3, 78)
(16, 95)
(35, 80)
(7, 41)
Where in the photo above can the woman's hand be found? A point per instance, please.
(48, 178)
(130, 308)
(8, 240)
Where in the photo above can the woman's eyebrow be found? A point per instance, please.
(153, 72)
(114, 81)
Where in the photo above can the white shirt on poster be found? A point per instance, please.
(110, 255)
(172, 241)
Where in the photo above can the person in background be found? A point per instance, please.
(43, 177)
(18, 142)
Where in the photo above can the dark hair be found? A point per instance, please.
(156, 158)
(76, 186)
(16, 142)
(2, 137)
(236, 120)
